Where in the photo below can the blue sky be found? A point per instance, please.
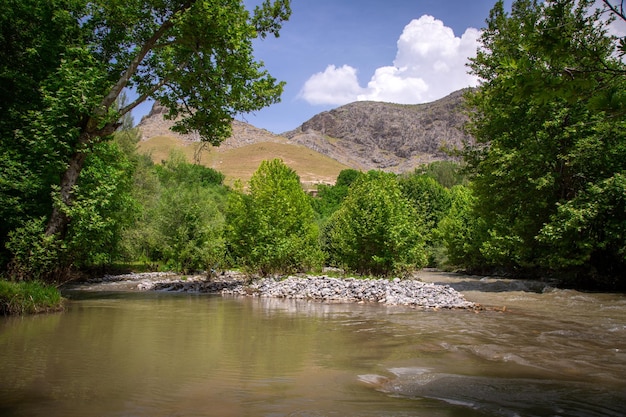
(332, 52)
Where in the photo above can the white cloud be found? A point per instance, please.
(393, 85)
(333, 86)
(429, 64)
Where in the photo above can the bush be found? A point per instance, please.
(176, 170)
(181, 220)
(446, 173)
(190, 227)
(272, 230)
(588, 233)
(329, 197)
(462, 232)
(36, 256)
(376, 231)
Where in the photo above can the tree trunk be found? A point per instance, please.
(58, 222)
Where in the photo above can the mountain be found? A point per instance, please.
(392, 137)
(362, 135)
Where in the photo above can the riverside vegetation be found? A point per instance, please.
(541, 189)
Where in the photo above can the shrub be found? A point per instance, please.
(462, 231)
(36, 256)
(272, 230)
(376, 231)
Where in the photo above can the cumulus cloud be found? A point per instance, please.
(333, 86)
(429, 64)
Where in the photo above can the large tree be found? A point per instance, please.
(549, 127)
(66, 63)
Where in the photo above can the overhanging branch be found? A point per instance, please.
(116, 90)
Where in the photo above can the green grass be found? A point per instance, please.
(28, 297)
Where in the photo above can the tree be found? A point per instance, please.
(181, 218)
(329, 197)
(193, 56)
(272, 230)
(33, 36)
(376, 230)
(462, 232)
(446, 173)
(430, 199)
(431, 202)
(541, 148)
(619, 12)
(104, 206)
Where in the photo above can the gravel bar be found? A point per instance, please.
(392, 292)
(409, 292)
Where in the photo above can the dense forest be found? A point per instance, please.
(541, 192)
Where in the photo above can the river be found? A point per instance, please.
(535, 353)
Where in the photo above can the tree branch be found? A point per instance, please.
(124, 110)
(110, 98)
(619, 11)
(148, 93)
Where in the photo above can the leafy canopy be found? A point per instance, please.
(550, 137)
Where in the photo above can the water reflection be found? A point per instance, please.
(130, 354)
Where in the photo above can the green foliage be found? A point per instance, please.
(272, 230)
(176, 170)
(431, 202)
(347, 176)
(189, 229)
(28, 298)
(446, 173)
(590, 230)
(64, 68)
(33, 38)
(181, 219)
(376, 231)
(545, 143)
(330, 197)
(462, 231)
(103, 207)
(430, 199)
(36, 255)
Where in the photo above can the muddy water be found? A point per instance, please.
(553, 353)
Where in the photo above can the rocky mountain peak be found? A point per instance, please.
(392, 137)
(154, 124)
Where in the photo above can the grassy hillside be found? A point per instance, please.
(241, 162)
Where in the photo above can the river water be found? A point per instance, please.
(550, 353)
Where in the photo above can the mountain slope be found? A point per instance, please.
(393, 137)
(239, 156)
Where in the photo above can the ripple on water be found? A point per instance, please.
(502, 396)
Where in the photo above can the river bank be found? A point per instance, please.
(28, 297)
